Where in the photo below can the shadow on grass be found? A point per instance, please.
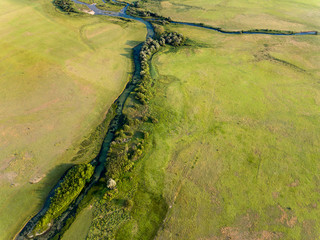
(50, 181)
(132, 43)
(129, 51)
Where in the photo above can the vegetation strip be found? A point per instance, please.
(70, 187)
(252, 31)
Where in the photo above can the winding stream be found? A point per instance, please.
(115, 123)
(121, 13)
(243, 32)
(99, 161)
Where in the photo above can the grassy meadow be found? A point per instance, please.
(235, 150)
(59, 75)
(235, 154)
(80, 227)
(296, 15)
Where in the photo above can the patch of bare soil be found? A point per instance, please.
(245, 229)
(287, 218)
(36, 179)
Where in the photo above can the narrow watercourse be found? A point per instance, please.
(99, 161)
(115, 123)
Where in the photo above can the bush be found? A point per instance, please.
(65, 5)
(128, 203)
(109, 195)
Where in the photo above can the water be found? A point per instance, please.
(122, 13)
(243, 32)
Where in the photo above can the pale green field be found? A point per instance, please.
(80, 227)
(235, 154)
(59, 76)
(243, 14)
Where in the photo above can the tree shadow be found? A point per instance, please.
(50, 181)
(133, 43)
(129, 51)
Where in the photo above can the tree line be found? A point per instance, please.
(69, 188)
(129, 142)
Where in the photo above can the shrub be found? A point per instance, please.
(128, 203)
(65, 5)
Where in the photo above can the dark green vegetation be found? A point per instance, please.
(135, 10)
(67, 191)
(65, 5)
(142, 94)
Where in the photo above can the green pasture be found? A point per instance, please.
(59, 75)
(296, 15)
(235, 154)
(79, 228)
(235, 151)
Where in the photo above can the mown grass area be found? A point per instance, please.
(59, 75)
(235, 152)
(294, 15)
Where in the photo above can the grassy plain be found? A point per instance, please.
(59, 75)
(243, 14)
(80, 227)
(235, 154)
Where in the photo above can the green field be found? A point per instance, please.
(235, 154)
(79, 229)
(59, 75)
(295, 15)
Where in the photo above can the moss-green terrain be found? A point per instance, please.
(235, 152)
(227, 139)
(59, 75)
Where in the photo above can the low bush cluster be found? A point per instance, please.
(268, 31)
(124, 150)
(134, 10)
(65, 5)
